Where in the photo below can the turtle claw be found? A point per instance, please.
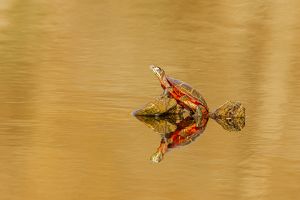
(159, 97)
(165, 93)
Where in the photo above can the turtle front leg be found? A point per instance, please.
(165, 93)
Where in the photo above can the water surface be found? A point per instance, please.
(72, 72)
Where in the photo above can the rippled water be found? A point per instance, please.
(72, 72)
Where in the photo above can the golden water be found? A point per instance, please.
(71, 73)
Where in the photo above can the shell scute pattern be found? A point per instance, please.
(182, 88)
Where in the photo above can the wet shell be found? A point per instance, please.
(184, 88)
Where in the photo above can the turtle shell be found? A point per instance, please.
(185, 89)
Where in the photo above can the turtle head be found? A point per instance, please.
(157, 157)
(159, 72)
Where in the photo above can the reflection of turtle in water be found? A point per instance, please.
(175, 132)
(185, 134)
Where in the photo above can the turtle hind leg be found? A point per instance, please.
(201, 116)
(200, 111)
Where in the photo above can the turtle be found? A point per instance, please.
(185, 95)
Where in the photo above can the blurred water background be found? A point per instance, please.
(71, 73)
